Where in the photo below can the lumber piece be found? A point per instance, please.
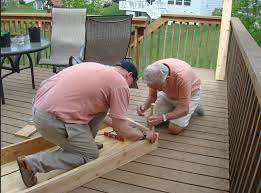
(223, 40)
(26, 131)
(114, 154)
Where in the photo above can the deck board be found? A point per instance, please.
(194, 161)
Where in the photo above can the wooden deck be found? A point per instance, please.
(194, 161)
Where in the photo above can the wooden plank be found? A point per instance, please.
(190, 157)
(113, 186)
(10, 138)
(184, 166)
(223, 40)
(84, 190)
(154, 183)
(30, 146)
(160, 171)
(26, 131)
(113, 156)
(217, 153)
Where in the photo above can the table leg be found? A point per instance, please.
(17, 63)
(2, 92)
(32, 69)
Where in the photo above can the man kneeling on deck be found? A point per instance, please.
(68, 109)
(176, 90)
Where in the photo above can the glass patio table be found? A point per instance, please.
(17, 50)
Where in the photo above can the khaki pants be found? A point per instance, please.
(76, 142)
(165, 105)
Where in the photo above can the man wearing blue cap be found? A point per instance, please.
(67, 111)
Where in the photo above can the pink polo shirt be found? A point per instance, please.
(78, 93)
(182, 82)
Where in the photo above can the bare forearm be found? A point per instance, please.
(122, 128)
(178, 112)
(148, 102)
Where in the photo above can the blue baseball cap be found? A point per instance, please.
(130, 67)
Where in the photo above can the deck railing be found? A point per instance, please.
(187, 37)
(191, 38)
(244, 102)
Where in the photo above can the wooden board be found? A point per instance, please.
(223, 40)
(26, 131)
(113, 155)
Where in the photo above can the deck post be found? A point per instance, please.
(223, 40)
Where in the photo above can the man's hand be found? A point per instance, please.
(141, 110)
(151, 136)
(154, 120)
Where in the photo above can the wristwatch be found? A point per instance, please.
(164, 118)
(144, 135)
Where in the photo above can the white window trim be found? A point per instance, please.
(182, 3)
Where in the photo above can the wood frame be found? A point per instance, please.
(123, 152)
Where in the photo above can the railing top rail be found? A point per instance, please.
(192, 18)
(250, 52)
(136, 21)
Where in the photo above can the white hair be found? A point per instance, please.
(155, 72)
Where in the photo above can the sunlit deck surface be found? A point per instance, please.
(197, 160)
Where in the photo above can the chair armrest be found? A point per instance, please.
(73, 59)
(128, 58)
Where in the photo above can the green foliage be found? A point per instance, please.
(93, 8)
(112, 10)
(249, 12)
(217, 12)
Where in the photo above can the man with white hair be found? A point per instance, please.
(176, 90)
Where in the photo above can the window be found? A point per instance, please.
(183, 2)
(187, 2)
(171, 2)
(178, 2)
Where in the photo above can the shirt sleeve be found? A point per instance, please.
(184, 92)
(119, 102)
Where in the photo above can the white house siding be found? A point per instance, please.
(208, 6)
(193, 9)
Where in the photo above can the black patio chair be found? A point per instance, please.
(107, 40)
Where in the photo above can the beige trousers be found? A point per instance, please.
(76, 142)
(165, 105)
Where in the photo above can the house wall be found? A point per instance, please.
(208, 6)
(193, 9)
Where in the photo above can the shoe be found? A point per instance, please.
(99, 145)
(200, 111)
(27, 173)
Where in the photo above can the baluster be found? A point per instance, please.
(186, 39)
(200, 43)
(165, 39)
(180, 28)
(172, 39)
(151, 46)
(213, 49)
(158, 46)
(206, 46)
(192, 43)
